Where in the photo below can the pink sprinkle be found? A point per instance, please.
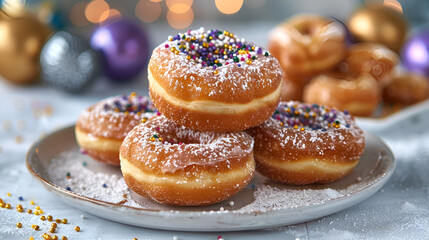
(166, 45)
(226, 63)
(157, 128)
(192, 47)
(158, 114)
(180, 143)
(248, 56)
(219, 237)
(242, 59)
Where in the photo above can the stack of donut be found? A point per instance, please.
(320, 67)
(220, 119)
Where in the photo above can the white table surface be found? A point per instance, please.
(400, 210)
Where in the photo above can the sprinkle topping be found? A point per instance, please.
(303, 116)
(214, 48)
(132, 104)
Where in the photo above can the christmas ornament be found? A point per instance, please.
(415, 53)
(68, 62)
(123, 46)
(380, 25)
(22, 40)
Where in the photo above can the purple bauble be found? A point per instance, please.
(124, 48)
(415, 53)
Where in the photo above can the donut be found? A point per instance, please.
(175, 165)
(292, 89)
(306, 45)
(307, 143)
(101, 128)
(375, 59)
(214, 81)
(406, 88)
(360, 94)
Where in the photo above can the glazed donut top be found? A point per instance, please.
(164, 146)
(214, 65)
(298, 123)
(114, 117)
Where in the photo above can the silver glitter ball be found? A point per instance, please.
(68, 62)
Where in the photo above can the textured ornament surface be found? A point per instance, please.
(68, 62)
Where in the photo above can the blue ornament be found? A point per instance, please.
(68, 63)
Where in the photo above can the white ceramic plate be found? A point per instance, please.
(261, 204)
(379, 123)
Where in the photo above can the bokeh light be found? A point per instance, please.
(228, 6)
(179, 6)
(95, 9)
(147, 10)
(109, 14)
(180, 21)
(77, 14)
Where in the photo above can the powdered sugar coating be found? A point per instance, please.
(114, 117)
(181, 147)
(240, 81)
(331, 133)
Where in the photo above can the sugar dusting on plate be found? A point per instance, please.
(81, 175)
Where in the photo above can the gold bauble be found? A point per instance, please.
(379, 24)
(22, 39)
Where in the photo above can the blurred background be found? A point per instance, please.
(30, 31)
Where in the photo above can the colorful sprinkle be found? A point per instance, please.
(213, 48)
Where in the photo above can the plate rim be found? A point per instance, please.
(384, 177)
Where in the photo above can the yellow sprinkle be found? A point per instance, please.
(46, 236)
(1, 200)
(193, 38)
(36, 213)
(296, 112)
(248, 61)
(18, 206)
(37, 207)
(77, 228)
(64, 238)
(8, 194)
(58, 220)
(135, 239)
(281, 124)
(225, 33)
(302, 129)
(144, 120)
(306, 115)
(55, 237)
(152, 139)
(35, 227)
(160, 139)
(216, 61)
(31, 238)
(337, 125)
(126, 112)
(215, 71)
(54, 225)
(19, 225)
(177, 52)
(51, 230)
(296, 126)
(32, 203)
(2, 204)
(43, 218)
(41, 211)
(7, 205)
(49, 217)
(64, 221)
(173, 49)
(188, 57)
(231, 35)
(29, 211)
(20, 210)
